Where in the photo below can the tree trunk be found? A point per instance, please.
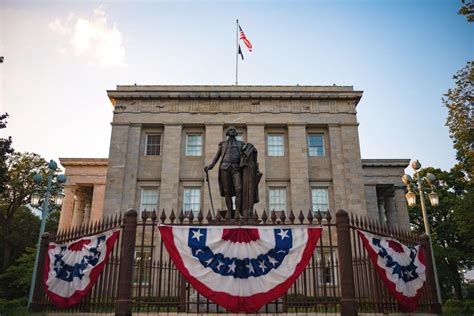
(456, 280)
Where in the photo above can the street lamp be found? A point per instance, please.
(414, 187)
(48, 198)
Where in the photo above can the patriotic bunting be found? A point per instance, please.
(402, 268)
(72, 268)
(241, 269)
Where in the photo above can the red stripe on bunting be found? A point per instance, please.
(408, 304)
(235, 304)
(63, 302)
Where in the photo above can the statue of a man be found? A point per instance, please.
(230, 171)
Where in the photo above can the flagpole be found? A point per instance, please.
(237, 52)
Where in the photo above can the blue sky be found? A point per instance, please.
(60, 57)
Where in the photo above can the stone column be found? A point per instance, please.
(87, 212)
(97, 206)
(381, 208)
(256, 136)
(401, 207)
(116, 168)
(78, 215)
(170, 167)
(67, 209)
(390, 212)
(337, 167)
(298, 154)
(212, 139)
(131, 168)
(371, 201)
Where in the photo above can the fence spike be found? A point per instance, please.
(181, 216)
(228, 215)
(172, 216)
(153, 216)
(163, 216)
(218, 215)
(351, 219)
(291, 217)
(319, 216)
(191, 216)
(144, 215)
(357, 221)
(209, 216)
(328, 216)
(365, 222)
(200, 217)
(301, 217)
(310, 216)
(264, 216)
(255, 216)
(283, 217)
(273, 217)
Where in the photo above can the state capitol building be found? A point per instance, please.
(162, 137)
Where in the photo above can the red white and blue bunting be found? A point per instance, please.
(402, 268)
(241, 269)
(71, 269)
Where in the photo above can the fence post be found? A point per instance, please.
(348, 301)
(39, 286)
(434, 305)
(123, 305)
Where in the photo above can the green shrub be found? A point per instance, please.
(454, 307)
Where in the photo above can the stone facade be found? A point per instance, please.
(363, 187)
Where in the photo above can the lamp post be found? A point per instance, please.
(414, 187)
(53, 192)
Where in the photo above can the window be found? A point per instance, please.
(275, 145)
(192, 200)
(328, 272)
(153, 145)
(277, 199)
(320, 200)
(316, 145)
(149, 199)
(193, 145)
(145, 270)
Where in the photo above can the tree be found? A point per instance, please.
(467, 9)
(15, 281)
(18, 188)
(451, 231)
(5, 150)
(460, 104)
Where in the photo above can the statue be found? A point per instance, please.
(238, 174)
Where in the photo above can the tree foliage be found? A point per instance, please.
(18, 188)
(451, 231)
(467, 9)
(5, 150)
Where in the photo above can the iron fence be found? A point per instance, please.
(141, 277)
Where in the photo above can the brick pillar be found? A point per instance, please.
(212, 139)
(401, 208)
(348, 300)
(123, 304)
(97, 207)
(256, 136)
(299, 184)
(67, 209)
(169, 190)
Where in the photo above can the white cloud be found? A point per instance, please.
(91, 37)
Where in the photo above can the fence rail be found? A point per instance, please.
(141, 277)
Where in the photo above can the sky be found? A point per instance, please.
(62, 56)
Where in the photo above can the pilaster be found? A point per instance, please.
(337, 168)
(97, 207)
(298, 152)
(390, 211)
(116, 169)
(169, 190)
(67, 209)
(371, 201)
(256, 136)
(131, 168)
(78, 215)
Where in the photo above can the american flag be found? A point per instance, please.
(245, 39)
